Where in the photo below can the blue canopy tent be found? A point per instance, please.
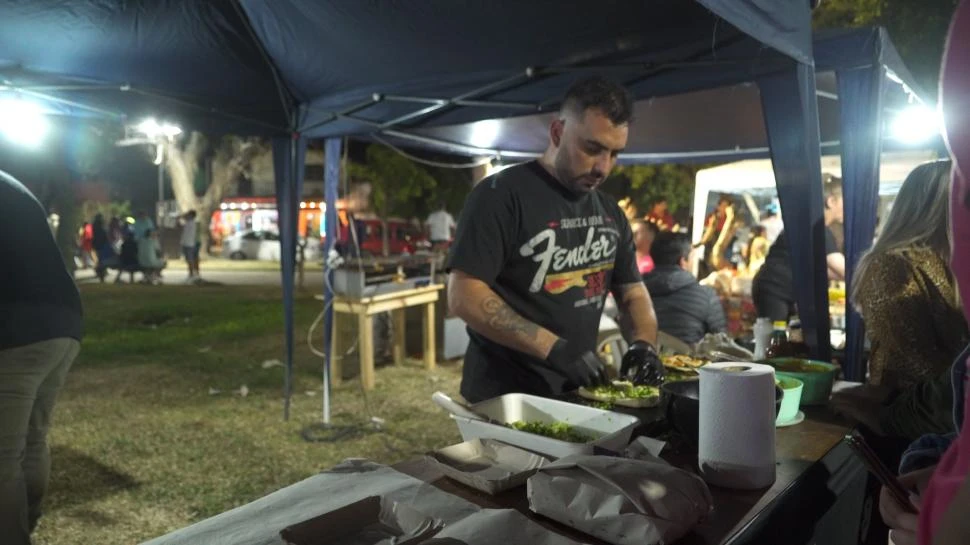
(860, 83)
(301, 69)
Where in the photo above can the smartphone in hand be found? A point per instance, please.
(875, 466)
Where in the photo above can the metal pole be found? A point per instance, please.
(161, 196)
(331, 179)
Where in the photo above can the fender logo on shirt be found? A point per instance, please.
(595, 255)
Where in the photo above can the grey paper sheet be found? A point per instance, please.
(260, 522)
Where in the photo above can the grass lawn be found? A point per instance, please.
(223, 264)
(141, 447)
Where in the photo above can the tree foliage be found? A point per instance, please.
(643, 184)
(917, 27)
(118, 209)
(398, 184)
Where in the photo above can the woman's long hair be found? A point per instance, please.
(920, 217)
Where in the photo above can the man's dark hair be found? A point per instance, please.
(669, 248)
(609, 97)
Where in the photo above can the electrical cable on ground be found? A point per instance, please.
(321, 432)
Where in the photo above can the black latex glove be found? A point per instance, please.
(583, 369)
(641, 365)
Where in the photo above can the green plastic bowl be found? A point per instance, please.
(791, 399)
(817, 377)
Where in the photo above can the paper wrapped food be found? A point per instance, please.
(372, 520)
(487, 465)
(618, 500)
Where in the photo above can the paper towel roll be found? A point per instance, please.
(736, 447)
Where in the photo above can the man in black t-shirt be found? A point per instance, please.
(536, 251)
(772, 290)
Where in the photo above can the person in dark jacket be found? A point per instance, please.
(685, 309)
(40, 333)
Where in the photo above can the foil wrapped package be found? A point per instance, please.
(619, 500)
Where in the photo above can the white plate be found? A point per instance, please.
(799, 418)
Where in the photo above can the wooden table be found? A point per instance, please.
(817, 496)
(365, 308)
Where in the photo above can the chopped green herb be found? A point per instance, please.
(557, 430)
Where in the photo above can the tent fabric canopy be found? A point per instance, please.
(718, 124)
(243, 65)
(299, 69)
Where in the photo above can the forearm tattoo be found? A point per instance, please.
(501, 317)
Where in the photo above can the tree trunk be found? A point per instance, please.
(182, 164)
(233, 157)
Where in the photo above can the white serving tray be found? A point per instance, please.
(611, 430)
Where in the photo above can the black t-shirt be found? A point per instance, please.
(552, 257)
(775, 275)
(38, 298)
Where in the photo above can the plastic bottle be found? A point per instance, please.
(762, 335)
(778, 345)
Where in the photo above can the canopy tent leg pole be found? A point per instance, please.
(331, 179)
(289, 156)
(861, 92)
(791, 120)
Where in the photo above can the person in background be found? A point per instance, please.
(189, 242)
(737, 252)
(440, 227)
(99, 240)
(40, 334)
(771, 220)
(941, 492)
(905, 274)
(128, 258)
(644, 233)
(685, 309)
(149, 257)
(115, 234)
(772, 290)
(904, 290)
(86, 245)
(102, 247)
(757, 249)
(660, 216)
(717, 233)
(142, 225)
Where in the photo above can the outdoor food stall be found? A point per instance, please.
(616, 464)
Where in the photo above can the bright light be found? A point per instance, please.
(153, 129)
(484, 133)
(223, 206)
(232, 206)
(302, 205)
(313, 205)
(245, 206)
(915, 125)
(23, 122)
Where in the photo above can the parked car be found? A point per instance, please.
(403, 237)
(259, 245)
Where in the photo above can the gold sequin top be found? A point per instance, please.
(913, 319)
